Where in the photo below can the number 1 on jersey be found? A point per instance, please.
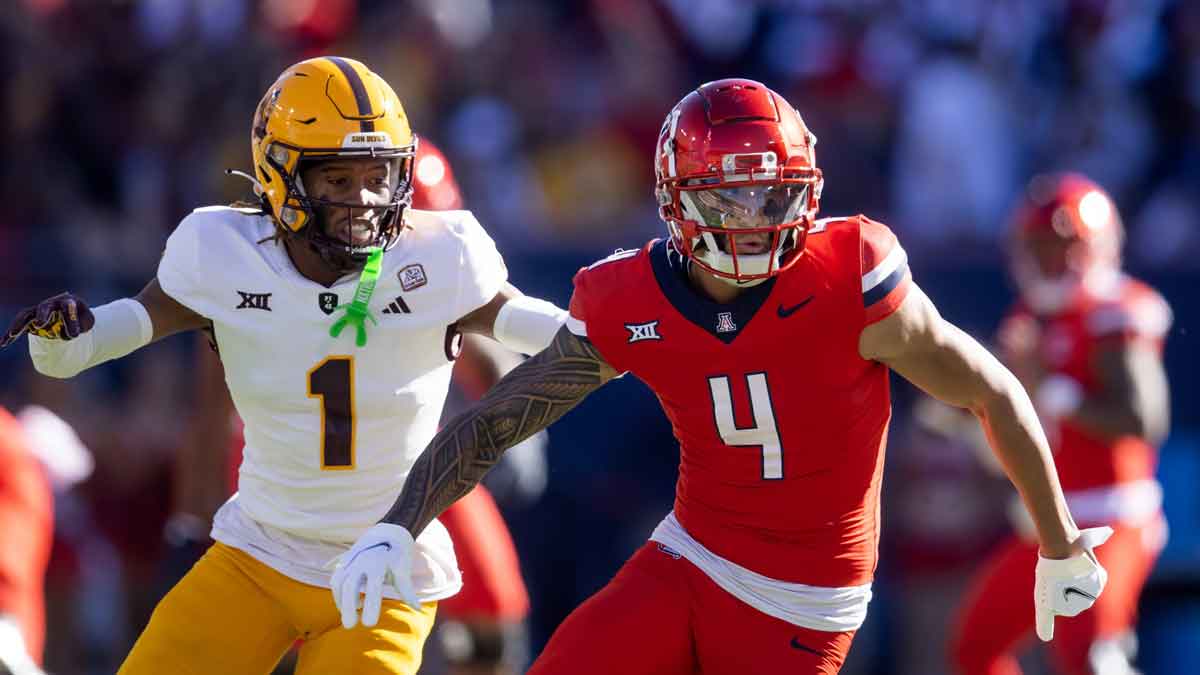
(332, 381)
(764, 433)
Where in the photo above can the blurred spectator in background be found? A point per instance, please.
(118, 117)
(1087, 342)
(26, 523)
(944, 514)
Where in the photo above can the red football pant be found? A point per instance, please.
(662, 616)
(997, 616)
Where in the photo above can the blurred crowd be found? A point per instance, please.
(118, 117)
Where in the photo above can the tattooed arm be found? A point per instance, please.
(527, 400)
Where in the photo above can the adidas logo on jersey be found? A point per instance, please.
(397, 306)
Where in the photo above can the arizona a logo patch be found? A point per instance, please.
(725, 323)
(411, 276)
(327, 302)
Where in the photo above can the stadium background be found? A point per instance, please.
(117, 118)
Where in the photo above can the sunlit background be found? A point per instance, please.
(118, 117)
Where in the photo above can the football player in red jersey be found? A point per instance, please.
(27, 525)
(1087, 340)
(767, 336)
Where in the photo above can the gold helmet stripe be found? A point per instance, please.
(360, 92)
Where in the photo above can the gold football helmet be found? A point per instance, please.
(325, 108)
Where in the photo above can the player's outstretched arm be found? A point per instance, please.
(530, 398)
(947, 363)
(527, 400)
(520, 322)
(167, 315)
(66, 336)
(951, 366)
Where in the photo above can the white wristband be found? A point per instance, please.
(121, 327)
(527, 325)
(1058, 396)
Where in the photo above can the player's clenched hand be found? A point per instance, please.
(62, 317)
(1069, 586)
(383, 555)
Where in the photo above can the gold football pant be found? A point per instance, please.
(234, 615)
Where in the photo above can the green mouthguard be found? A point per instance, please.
(357, 312)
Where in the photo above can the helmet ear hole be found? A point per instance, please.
(279, 154)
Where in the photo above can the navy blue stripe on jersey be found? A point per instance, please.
(360, 91)
(670, 269)
(886, 286)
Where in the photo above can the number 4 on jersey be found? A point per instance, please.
(764, 433)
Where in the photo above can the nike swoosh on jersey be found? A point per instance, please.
(797, 645)
(785, 312)
(1071, 589)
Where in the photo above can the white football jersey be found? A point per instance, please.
(331, 428)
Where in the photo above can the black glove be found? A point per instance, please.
(62, 317)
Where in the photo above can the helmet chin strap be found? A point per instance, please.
(758, 263)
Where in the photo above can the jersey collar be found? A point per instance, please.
(671, 272)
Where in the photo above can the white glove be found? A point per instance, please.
(1067, 587)
(383, 555)
(13, 657)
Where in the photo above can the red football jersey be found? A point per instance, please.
(781, 423)
(27, 522)
(1067, 345)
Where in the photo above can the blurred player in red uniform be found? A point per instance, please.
(487, 636)
(768, 336)
(27, 525)
(480, 630)
(1087, 341)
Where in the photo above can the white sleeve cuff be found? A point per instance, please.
(527, 325)
(121, 327)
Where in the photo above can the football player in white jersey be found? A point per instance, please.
(337, 311)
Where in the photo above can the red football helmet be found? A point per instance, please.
(434, 187)
(1067, 237)
(737, 181)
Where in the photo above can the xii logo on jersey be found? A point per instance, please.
(327, 302)
(255, 301)
(725, 323)
(643, 331)
(411, 276)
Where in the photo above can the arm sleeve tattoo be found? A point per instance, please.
(527, 400)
